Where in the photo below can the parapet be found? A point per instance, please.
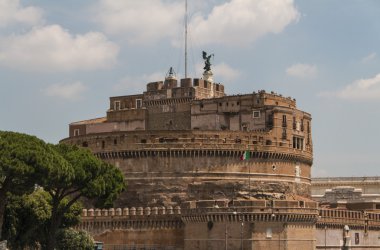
(225, 203)
(154, 86)
(133, 211)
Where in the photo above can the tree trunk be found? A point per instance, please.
(55, 222)
(51, 235)
(3, 203)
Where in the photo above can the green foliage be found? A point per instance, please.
(91, 178)
(65, 174)
(69, 239)
(23, 158)
(26, 218)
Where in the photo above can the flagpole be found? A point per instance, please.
(249, 179)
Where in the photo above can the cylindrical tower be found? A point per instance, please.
(175, 145)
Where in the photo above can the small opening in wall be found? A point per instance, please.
(274, 167)
(76, 132)
(103, 144)
(143, 140)
(256, 114)
(115, 141)
(85, 144)
(269, 233)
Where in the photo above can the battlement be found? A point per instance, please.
(133, 211)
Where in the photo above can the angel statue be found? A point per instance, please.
(207, 58)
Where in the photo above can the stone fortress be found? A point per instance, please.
(206, 170)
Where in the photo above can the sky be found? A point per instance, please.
(60, 61)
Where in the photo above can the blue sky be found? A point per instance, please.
(61, 60)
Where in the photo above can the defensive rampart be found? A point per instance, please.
(165, 168)
(254, 224)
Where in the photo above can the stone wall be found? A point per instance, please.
(148, 226)
(167, 168)
(364, 229)
(212, 224)
(207, 224)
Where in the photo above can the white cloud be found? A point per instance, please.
(68, 91)
(142, 21)
(137, 84)
(226, 72)
(369, 58)
(12, 12)
(236, 22)
(241, 22)
(302, 70)
(363, 89)
(51, 48)
(222, 72)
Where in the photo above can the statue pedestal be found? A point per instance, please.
(208, 76)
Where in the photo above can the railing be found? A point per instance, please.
(345, 179)
(347, 217)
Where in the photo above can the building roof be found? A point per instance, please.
(90, 121)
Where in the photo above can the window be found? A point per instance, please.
(116, 105)
(294, 123)
(269, 233)
(270, 121)
(284, 135)
(256, 114)
(297, 143)
(138, 103)
(297, 170)
(357, 241)
(76, 132)
(284, 121)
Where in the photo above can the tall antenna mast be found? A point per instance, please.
(185, 38)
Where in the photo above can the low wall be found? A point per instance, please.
(364, 229)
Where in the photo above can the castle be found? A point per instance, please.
(206, 170)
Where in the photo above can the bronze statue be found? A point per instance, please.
(207, 66)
